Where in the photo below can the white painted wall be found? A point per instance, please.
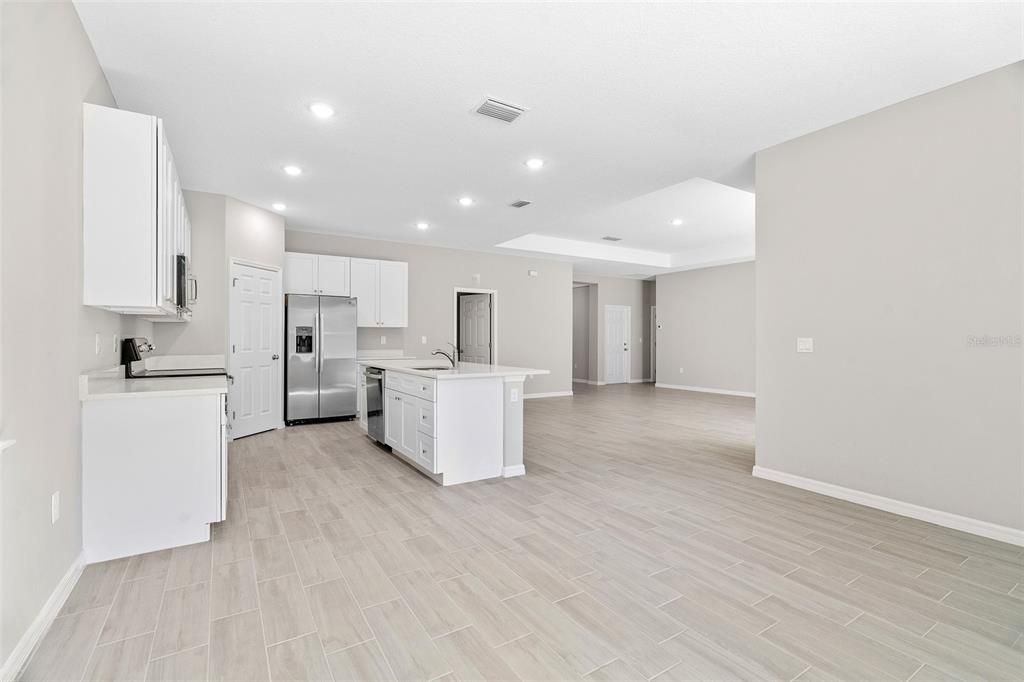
(534, 313)
(707, 328)
(48, 336)
(892, 239)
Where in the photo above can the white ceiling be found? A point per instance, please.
(643, 112)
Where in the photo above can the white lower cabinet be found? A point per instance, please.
(154, 472)
(409, 420)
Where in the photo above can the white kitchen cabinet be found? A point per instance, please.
(135, 222)
(393, 296)
(154, 471)
(393, 418)
(409, 419)
(333, 275)
(382, 288)
(308, 273)
(300, 273)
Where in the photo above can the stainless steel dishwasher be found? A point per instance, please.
(374, 403)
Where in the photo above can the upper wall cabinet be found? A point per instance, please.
(307, 273)
(134, 215)
(382, 287)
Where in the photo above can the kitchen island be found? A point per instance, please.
(455, 425)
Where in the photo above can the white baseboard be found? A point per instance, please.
(518, 470)
(702, 389)
(552, 394)
(44, 619)
(1013, 536)
(588, 381)
(640, 381)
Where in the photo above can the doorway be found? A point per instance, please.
(654, 343)
(476, 315)
(616, 344)
(254, 344)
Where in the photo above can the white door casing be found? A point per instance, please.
(475, 328)
(254, 358)
(616, 344)
(492, 330)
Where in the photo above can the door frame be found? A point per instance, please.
(627, 373)
(494, 317)
(654, 343)
(229, 356)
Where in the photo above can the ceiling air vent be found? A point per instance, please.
(612, 239)
(500, 110)
(520, 204)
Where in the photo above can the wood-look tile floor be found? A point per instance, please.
(637, 546)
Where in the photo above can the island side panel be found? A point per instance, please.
(469, 429)
(512, 407)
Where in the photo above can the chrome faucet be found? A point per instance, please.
(453, 358)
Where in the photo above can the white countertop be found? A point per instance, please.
(442, 370)
(111, 384)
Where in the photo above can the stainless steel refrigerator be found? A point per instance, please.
(321, 345)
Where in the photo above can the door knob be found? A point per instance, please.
(275, 356)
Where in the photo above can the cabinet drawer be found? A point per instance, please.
(425, 417)
(410, 384)
(426, 452)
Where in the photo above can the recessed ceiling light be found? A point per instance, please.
(422, 226)
(677, 222)
(278, 206)
(465, 201)
(292, 170)
(321, 109)
(535, 164)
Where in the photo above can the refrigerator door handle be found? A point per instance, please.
(316, 342)
(320, 331)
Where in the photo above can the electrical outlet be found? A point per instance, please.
(383, 340)
(97, 343)
(54, 508)
(804, 344)
(117, 344)
(514, 395)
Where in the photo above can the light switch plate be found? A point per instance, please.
(97, 343)
(55, 508)
(383, 339)
(423, 340)
(804, 344)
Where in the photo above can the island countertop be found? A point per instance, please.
(441, 370)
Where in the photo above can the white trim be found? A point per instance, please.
(494, 317)
(23, 650)
(587, 381)
(640, 381)
(517, 470)
(1014, 536)
(701, 389)
(552, 394)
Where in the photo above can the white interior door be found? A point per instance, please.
(475, 328)
(255, 395)
(616, 344)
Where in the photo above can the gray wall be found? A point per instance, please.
(707, 328)
(892, 239)
(618, 291)
(534, 313)
(222, 228)
(581, 332)
(48, 337)
(207, 332)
